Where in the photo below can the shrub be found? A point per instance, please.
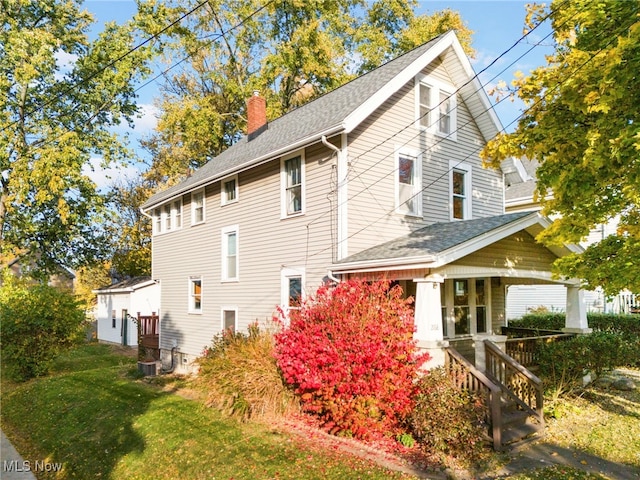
(240, 375)
(599, 322)
(447, 420)
(38, 322)
(565, 363)
(349, 352)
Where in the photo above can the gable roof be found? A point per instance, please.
(441, 243)
(128, 285)
(338, 111)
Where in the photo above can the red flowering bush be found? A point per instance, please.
(349, 352)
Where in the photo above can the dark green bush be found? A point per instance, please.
(38, 323)
(599, 322)
(568, 361)
(447, 420)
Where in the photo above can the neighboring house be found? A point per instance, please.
(379, 178)
(62, 278)
(118, 306)
(521, 299)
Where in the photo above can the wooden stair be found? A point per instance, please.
(512, 395)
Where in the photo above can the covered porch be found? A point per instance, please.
(459, 274)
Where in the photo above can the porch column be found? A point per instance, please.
(576, 321)
(428, 318)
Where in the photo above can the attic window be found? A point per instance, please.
(436, 107)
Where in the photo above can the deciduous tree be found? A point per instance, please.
(60, 94)
(582, 124)
(292, 51)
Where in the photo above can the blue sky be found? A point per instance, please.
(497, 25)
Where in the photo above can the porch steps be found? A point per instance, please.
(518, 428)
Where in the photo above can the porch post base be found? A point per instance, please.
(579, 331)
(435, 349)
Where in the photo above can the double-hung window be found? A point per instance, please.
(177, 214)
(292, 180)
(408, 182)
(230, 259)
(157, 224)
(195, 295)
(229, 319)
(460, 190)
(292, 288)
(436, 107)
(167, 217)
(229, 192)
(197, 207)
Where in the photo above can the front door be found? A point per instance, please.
(125, 324)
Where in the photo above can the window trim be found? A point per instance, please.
(283, 185)
(168, 217)
(225, 232)
(176, 214)
(224, 309)
(191, 295)
(467, 169)
(285, 275)
(436, 87)
(448, 318)
(158, 222)
(193, 207)
(223, 192)
(417, 179)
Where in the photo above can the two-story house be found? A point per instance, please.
(378, 178)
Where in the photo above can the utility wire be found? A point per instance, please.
(434, 108)
(503, 130)
(109, 65)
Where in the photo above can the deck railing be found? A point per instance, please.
(525, 350)
(149, 330)
(516, 382)
(467, 377)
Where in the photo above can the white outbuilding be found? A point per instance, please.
(119, 306)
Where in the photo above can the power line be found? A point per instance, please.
(475, 151)
(84, 81)
(434, 108)
(216, 37)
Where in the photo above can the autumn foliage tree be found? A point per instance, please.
(349, 353)
(61, 94)
(582, 123)
(292, 51)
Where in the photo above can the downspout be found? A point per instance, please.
(341, 215)
(335, 249)
(332, 277)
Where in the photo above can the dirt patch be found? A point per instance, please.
(410, 462)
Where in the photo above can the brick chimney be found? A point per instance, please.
(256, 115)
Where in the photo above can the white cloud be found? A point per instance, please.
(147, 118)
(64, 62)
(106, 177)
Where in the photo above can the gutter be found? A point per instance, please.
(254, 163)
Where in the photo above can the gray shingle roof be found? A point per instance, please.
(433, 239)
(313, 119)
(129, 283)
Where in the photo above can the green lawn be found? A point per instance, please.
(95, 418)
(100, 423)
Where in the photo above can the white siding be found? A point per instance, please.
(267, 244)
(145, 300)
(372, 219)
